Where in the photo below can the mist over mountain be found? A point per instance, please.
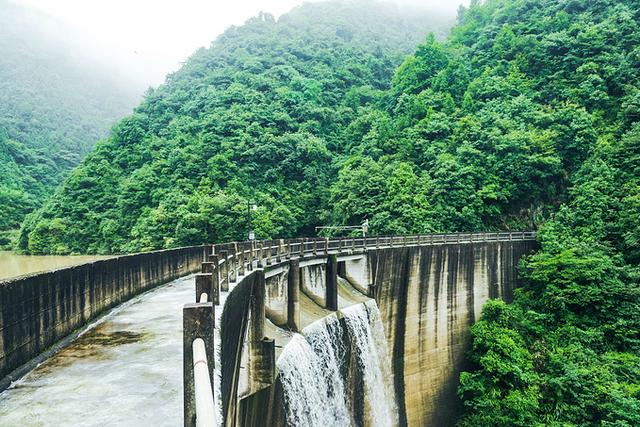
(261, 114)
(56, 102)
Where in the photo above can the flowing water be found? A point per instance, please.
(12, 264)
(310, 369)
(125, 370)
(367, 335)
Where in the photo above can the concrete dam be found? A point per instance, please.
(303, 332)
(367, 332)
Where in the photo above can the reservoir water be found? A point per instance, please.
(12, 264)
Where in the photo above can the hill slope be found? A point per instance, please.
(54, 105)
(259, 115)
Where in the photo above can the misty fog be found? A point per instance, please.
(143, 40)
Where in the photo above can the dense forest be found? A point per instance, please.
(525, 117)
(263, 115)
(54, 105)
(560, 80)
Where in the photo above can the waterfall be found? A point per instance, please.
(369, 343)
(310, 374)
(314, 381)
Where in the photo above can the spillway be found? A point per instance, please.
(338, 372)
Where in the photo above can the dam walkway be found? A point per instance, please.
(124, 370)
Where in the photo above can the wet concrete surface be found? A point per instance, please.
(126, 370)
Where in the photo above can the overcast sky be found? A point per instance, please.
(152, 37)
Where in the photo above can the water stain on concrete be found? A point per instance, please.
(93, 344)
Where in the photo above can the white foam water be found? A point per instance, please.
(310, 374)
(310, 371)
(368, 340)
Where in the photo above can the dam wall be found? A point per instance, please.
(37, 311)
(429, 290)
(429, 297)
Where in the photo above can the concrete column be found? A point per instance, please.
(331, 290)
(279, 251)
(215, 277)
(257, 307)
(197, 322)
(204, 284)
(261, 350)
(224, 271)
(293, 296)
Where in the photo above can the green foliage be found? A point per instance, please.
(53, 108)
(263, 115)
(567, 350)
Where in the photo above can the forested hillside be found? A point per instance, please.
(54, 105)
(551, 102)
(262, 115)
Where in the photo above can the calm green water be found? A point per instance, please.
(12, 265)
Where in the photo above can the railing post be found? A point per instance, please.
(224, 271)
(301, 248)
(197, 322)
(233, 274)
(269, 252)
(205, 284)
(279, 251)
(331, 282)
(326, 246)
(259, 254)
(377, 242)
(240, 261)
(315, 247)
(293, 296)
(214, 269)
